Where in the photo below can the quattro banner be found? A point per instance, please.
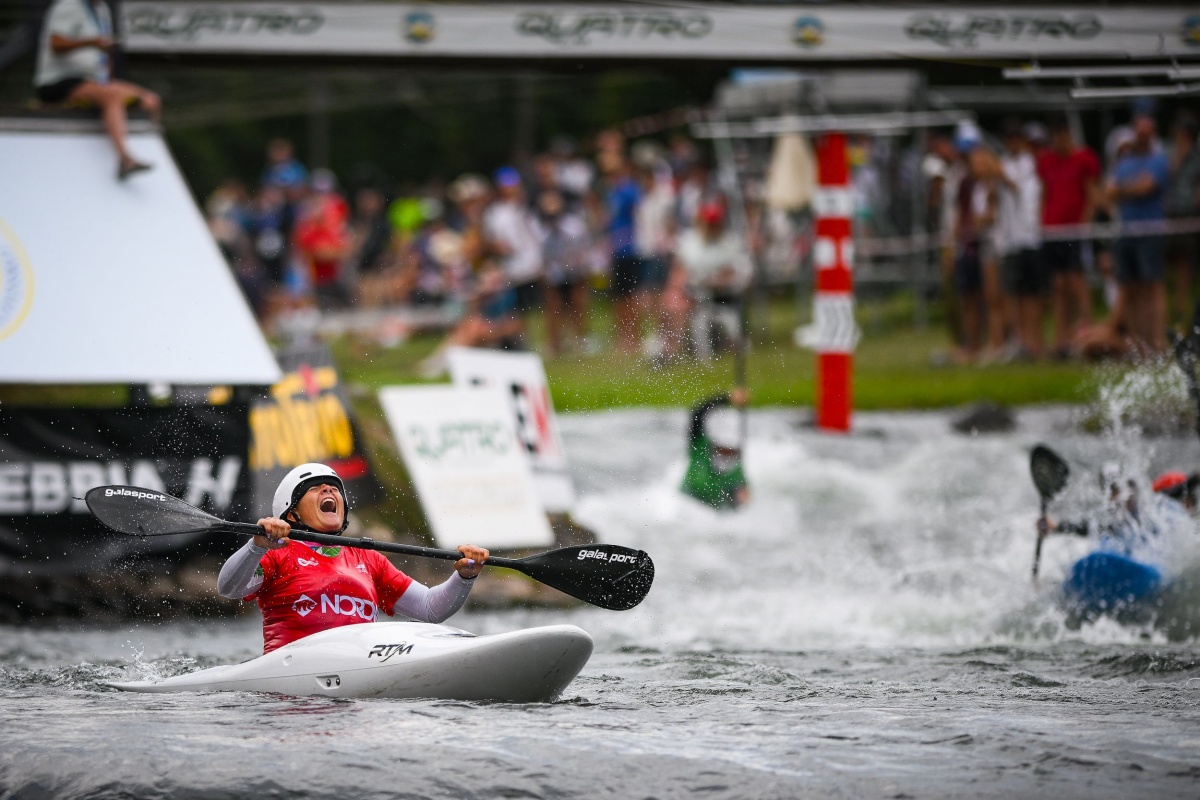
(692, 31)
(462, 452)
(49, 458)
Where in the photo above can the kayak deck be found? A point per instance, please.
(402, 660)
(1112, 584)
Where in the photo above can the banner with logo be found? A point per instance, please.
(696, 31)
(49, 458)
(306, 417)
(462, 452)
(522, 379)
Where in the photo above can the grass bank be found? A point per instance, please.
(896, 367)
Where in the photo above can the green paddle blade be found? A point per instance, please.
(605, 575)
(1049, 471)
(135, 511)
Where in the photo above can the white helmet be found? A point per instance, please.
(300, 480)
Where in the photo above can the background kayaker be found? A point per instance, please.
(1124, 523)
(305, 588)
(714, 475)
(1179, 486)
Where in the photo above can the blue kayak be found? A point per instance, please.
(1112, 584)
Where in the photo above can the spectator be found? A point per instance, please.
(1021, 237)
(988, 195)
(268, 223)
(371, 252)
(712, 272)
(435, 265)
(75, 65)
(964, 218)
(565, 243)
(943, 170)
(323, 239)
(1182, 201)
(1068, 173)
(622, 197)
(654, 233)
(282, 167)
(1138, 185)
(512, 237)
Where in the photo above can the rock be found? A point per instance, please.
(985, 418)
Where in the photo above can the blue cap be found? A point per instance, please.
(507, 176)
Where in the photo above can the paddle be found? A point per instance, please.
(1050, 473)
(605, 575)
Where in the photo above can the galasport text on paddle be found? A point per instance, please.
(605, 575)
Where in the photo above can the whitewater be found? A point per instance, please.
(865, 627)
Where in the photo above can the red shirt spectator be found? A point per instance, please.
(323, 236)
(1065, 180)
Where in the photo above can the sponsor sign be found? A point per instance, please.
(306, 417)
(49, 458)
(655, 31)
(467, 464)
(136, 292)
(522, 379)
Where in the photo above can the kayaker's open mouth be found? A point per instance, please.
(329, 504)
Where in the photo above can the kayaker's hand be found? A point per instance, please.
(276, 536)
(471, 564)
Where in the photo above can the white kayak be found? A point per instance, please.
(402, 659)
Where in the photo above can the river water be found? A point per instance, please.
(865, 627)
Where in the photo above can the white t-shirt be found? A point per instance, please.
(1019, 221)
(74, 19)
(654, 228)
(511, 225)
(565, 244)
(702, 260)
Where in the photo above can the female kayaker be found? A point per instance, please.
(305, 588)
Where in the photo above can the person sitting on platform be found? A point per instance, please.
(714, 475)
(75, 66)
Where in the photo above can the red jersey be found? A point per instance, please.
(306, 590)
(1065, 179)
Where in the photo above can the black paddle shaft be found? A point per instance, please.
(605, 575)
(363, 543)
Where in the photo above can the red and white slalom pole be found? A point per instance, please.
(833, 334)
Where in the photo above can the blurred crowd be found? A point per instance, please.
(1027, 216)
(643, 223)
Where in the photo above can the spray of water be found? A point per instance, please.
(904, 534)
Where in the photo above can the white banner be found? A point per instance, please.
(463, 456)
(107, 281)
(522, 379)
(659, 31)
